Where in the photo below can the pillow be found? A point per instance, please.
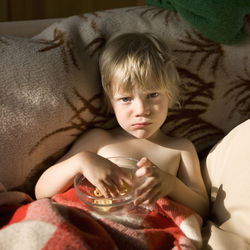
(49, 95)
(50, 87)
(216, 238)
(227, 170)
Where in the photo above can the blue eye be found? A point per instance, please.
(125, 99)
(152, 95)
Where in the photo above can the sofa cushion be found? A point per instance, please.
(49, 95)
(218, 239)
(227, 173)
(50, 87)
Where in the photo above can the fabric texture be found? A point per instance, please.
(228, 171)
(221, 21)
(219, 239)
(70, 224)
(50, 87)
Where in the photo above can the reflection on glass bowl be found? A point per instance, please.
(91, 196)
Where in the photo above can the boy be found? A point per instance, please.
(140, 84)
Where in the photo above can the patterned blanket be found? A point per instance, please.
(65, 222)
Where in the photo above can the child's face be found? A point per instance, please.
(140, 112)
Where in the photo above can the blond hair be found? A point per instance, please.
(138, 60)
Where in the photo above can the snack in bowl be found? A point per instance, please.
(92, 196)
(104, 201)
(125, 189)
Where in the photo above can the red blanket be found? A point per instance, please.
(65, 222)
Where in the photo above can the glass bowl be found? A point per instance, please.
(98, 203)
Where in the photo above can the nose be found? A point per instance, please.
(142, 107)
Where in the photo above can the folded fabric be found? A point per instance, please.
(67, 223)
(221, 21)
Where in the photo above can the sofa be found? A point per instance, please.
(51, 93)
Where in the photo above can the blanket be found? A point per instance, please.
(221, 21)
(65, 222)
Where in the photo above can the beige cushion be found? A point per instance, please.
(49, 87)
(227, 171)
(46, 101)
(215, 238)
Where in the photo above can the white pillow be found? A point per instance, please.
(227, 171)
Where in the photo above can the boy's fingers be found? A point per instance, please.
(145, 187)
(154, 197)
(147, 197)
(144, 161)
(122, 175)
(117, 181)
(141, 162)
(127, 177)
(103, 190)
(108, 188)
(140, 172)
(113, 188)
(146, 171)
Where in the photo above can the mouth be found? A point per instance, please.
(141, 124)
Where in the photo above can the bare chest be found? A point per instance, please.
(168, 159)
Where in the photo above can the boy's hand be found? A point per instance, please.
(104, 174)
(157, 184)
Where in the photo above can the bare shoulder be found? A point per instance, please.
(93, 133)
(94, 137)
(181, 144)
(188, 151)
(91, 140)
(185, 144)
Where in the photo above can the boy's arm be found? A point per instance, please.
(60, 176)
(187, 187)
(82, 159)
(57, 178)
